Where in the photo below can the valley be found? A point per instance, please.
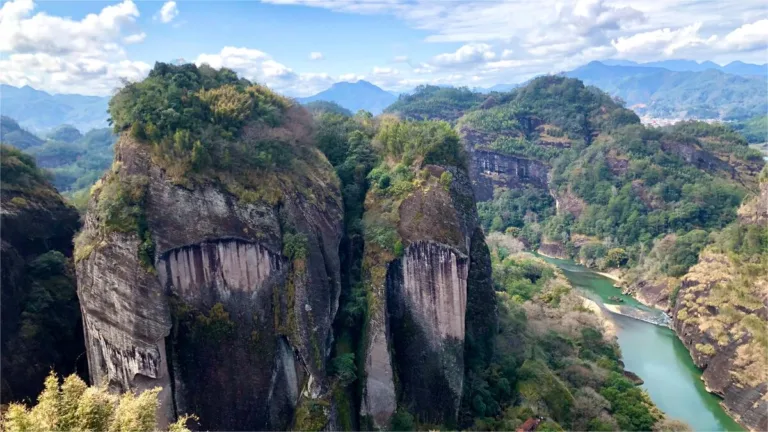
(655, 354)
(270, 267)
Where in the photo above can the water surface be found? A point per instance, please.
(656, 355)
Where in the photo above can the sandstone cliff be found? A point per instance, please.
(490, 169)
(430, 297)
(41, 326)
(224, 301)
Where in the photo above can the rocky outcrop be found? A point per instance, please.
(721, 315)
(225, 303)
(425, 304)
(731, 367)
(742, 171)
(41, 325)
(489, 169)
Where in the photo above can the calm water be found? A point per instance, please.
(657, 356)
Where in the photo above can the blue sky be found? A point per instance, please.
(300, 47)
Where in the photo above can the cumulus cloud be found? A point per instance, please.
(135, 38)
(261, 67)
(315, 55)
(168, 12)
(468, 54)
(667, 41)
(747, 37)
(551, 35)
(64, 55)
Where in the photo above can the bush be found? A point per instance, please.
(345, 369)
(75, 406)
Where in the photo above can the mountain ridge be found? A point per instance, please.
(354, 96)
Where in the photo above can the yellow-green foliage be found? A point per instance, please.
(19, 174)
(705, 349)
(74, 406)
(120, 204)
(311, 415)
(427, 142)
(539, 385)
(724, 294)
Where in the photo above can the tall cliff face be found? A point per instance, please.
(226, 303)
(490, 169)
(424, 299)
(40, 317)
(721, 314)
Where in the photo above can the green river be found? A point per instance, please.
(656, 355)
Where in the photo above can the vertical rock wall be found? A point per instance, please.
(420, 303)
(427, 302)
(229, 327)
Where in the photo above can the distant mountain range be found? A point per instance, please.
(661, 92)
(670, 88)
(39, 111)
(355, 96)
(736, 68)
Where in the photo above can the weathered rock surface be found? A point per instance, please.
(489, 169)
(425, 305)
(231, 328)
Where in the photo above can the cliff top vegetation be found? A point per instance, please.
(200, 120)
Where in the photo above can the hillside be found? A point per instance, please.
(435, 103)
(39, 111)
(42, 329)
(75, 160)
(360, 95)
(571, 173)
(12, 133)
(641, 182)
(660, 92)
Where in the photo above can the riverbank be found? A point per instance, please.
(654, 352)
(611, 276)
(608, 326)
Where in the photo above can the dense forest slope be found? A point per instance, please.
(568, 171)
(659, 92)
(75, 160)
(40, 314)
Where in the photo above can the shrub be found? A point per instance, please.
(75, 406)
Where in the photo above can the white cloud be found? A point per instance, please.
(60, 54)
(550, 36)
(261, 67)
(168, 12)
(135, 38)
(747, 37)
(385, 71)
(351, 77)
(667, 41)
(315, 55)
(468, 54)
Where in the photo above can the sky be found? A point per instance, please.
(301, 47)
